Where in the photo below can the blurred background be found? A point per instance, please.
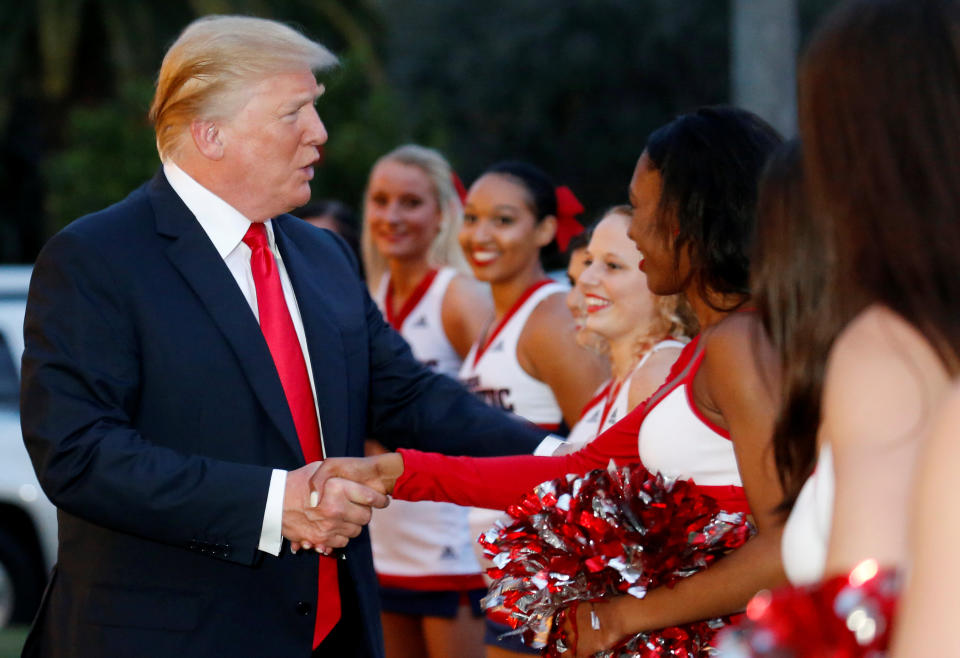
(574, 86)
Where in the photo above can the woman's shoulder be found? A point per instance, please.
(879, 341)
(548, 343)
(465, 310)
(645, 380)
(550, 314)
(467, 296)
(882, 377)
(662, 354)
(737, 342)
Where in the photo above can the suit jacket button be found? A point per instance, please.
(303, 608)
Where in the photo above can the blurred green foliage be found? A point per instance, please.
(11, 641)
(363, 122)
(108, 151)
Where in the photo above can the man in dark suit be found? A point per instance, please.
(191, 352)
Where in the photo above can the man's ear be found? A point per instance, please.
(545, 231)
(207, 138)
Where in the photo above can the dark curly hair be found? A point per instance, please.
(710, 162)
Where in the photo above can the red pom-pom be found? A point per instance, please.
(608, 532)
(844, 617)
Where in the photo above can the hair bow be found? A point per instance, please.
(458, 184)
(568, 207)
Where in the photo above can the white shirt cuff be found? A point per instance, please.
(271, 534)
(550, 443)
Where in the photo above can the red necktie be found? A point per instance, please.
(281, 337)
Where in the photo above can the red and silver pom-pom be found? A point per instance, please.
(844, 617)
(613, 531)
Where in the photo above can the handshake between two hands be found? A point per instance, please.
(325, 504)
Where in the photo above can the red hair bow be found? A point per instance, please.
(568, 207)
(458, 184)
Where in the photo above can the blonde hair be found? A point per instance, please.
(445, 248)
(674, 317)
(208, 71)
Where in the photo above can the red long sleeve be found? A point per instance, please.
(497, 482)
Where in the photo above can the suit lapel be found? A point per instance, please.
(324, 340)
(192, 253)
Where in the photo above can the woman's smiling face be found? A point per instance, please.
(615, 291)
(402, 211)
(500, 237)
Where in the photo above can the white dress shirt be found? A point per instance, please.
(225, 227)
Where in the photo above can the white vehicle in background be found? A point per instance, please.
(28, 521)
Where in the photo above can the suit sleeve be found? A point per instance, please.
(498, 482)
(79, 396)
(412, 407)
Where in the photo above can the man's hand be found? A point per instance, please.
(379, 472)
(331, 522)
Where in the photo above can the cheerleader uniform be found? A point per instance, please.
(423, 553)
(668, 434)
(803, 546)
(602, 412)
(492, 372)
(849, 614)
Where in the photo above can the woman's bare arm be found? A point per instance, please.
(548, 351)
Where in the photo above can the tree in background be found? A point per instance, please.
(573, 86)
(76, 79)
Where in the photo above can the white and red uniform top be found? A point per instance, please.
(492, 372)
(677, 440)
(424, 546)
(611, 403)
(806, 534)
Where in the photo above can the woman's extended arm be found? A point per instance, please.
(927, 608)
(492, 482)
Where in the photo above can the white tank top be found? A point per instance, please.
(424, 545)
(421, 324)
(803, 545)
(493, 372)
(598, 416)
(678, 441)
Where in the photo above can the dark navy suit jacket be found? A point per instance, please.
(153, 414)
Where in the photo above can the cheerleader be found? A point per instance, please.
(511, 213)
(527, 361)
(880, 133)
(639, 330)
(423, 554)
(693, 195)
(890, 296)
